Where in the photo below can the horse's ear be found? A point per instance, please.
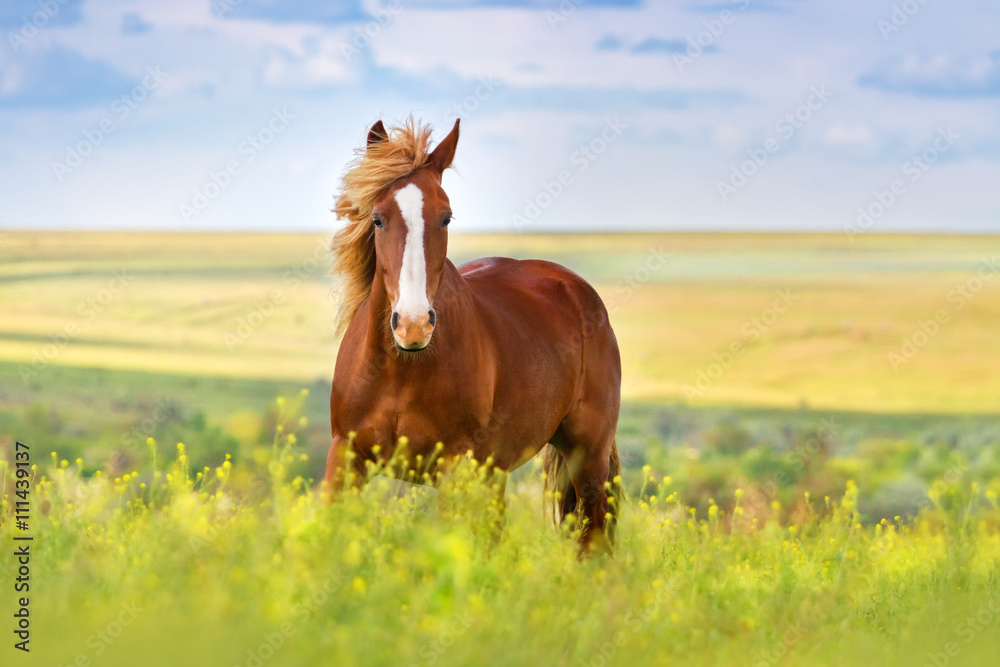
(445, 152)
(377, 133)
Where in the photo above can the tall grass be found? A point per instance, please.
(246, 564)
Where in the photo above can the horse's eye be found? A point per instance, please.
(446, 220)
(377, 221)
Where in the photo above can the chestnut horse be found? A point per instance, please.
(496, 357)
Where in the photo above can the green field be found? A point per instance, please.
(242, 565)
(678, 301)
(810, 437)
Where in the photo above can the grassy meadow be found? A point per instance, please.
(810, 438)
(678, 301)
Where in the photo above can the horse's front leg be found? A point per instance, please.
(344, 468)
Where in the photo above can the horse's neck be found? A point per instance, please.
(378, 313)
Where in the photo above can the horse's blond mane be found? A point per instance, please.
(371, 171)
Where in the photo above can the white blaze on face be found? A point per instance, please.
(413, 274)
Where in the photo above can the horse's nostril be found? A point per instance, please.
(431, 316)
(394, 320)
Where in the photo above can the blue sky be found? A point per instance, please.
(826, 115)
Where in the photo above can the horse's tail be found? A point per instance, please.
(559, 489)
(563, 493)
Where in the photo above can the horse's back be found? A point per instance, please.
(500, 278)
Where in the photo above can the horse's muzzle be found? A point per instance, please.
(410, 333)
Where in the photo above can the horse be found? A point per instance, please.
(497, 358)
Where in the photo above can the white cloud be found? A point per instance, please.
(196, 48)
(555, 91)
(519, 46)
(321, 66)
(840, 134)
(729, 136)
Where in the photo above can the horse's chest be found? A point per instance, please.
(424, 420)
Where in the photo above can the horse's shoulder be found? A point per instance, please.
(542, 274)
(501, 279)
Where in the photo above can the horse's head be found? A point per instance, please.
(411, 242)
